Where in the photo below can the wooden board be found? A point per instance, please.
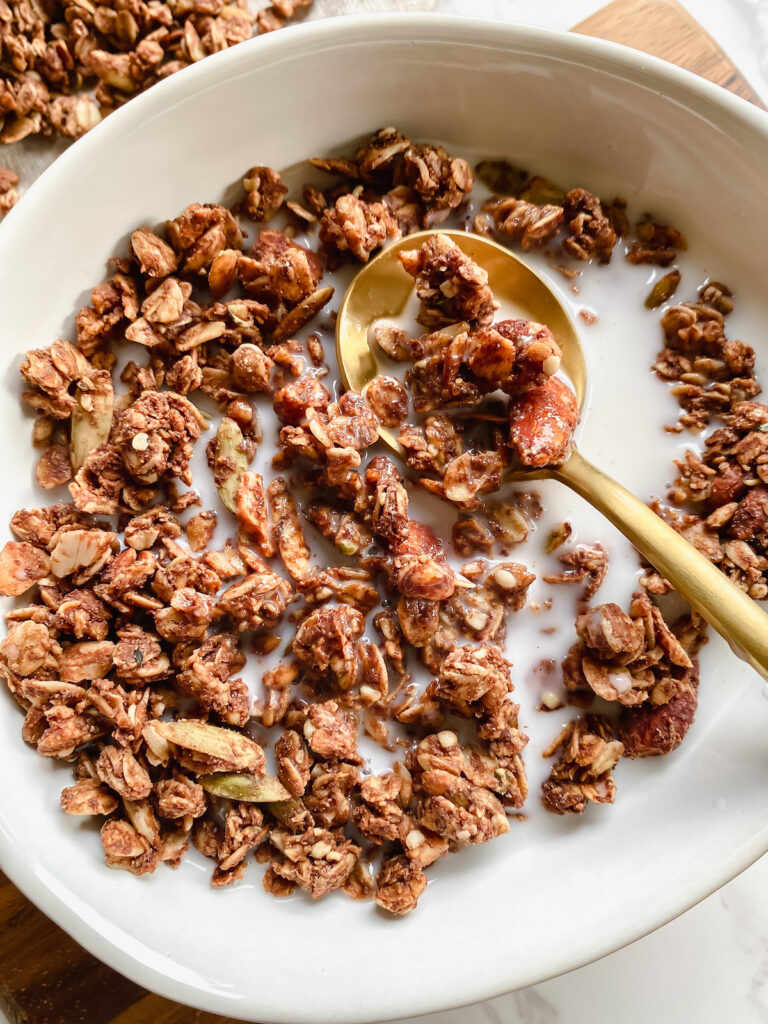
(45, 977)
(665, 29)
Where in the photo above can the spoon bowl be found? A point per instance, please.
(382, 289)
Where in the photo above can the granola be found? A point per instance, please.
(588, 753)
(724, 490)
(631, 657)
(131, 649)
(8, 194)
(70, 66)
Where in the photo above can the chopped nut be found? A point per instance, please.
(250, 368)
(542, 423)
(21, 566)
(200, 530)
(155, 257)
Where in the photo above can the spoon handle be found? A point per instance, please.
(736, 617)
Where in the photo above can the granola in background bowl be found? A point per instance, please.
(69, 64)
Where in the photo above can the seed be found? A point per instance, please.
(542, 191)
(663, 290)
(246, 788)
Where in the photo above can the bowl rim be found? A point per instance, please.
(698, 95)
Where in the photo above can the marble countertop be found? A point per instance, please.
(710, 966)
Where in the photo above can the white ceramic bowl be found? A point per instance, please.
(559, 892)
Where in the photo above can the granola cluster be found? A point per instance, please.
(710, 373)
(725, 489)
(635, 660)
(463, 364)
(391, 187)
(537, 213)
(8, 194)
(719, 490)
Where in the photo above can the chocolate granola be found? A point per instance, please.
(129, 652)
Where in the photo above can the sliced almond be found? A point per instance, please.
(231, 461)
(230, 750)
(21, 566)
(199, 334)
(291, 542)
(91, 416)
(253, 512)
(89, 659)
(301, 314)
(82, 553)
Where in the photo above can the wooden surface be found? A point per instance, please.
(45, 977)
(665, 29)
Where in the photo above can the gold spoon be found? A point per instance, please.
(381, 290)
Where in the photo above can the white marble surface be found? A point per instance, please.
(710, 966)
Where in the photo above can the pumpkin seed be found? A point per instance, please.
(247, 788)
